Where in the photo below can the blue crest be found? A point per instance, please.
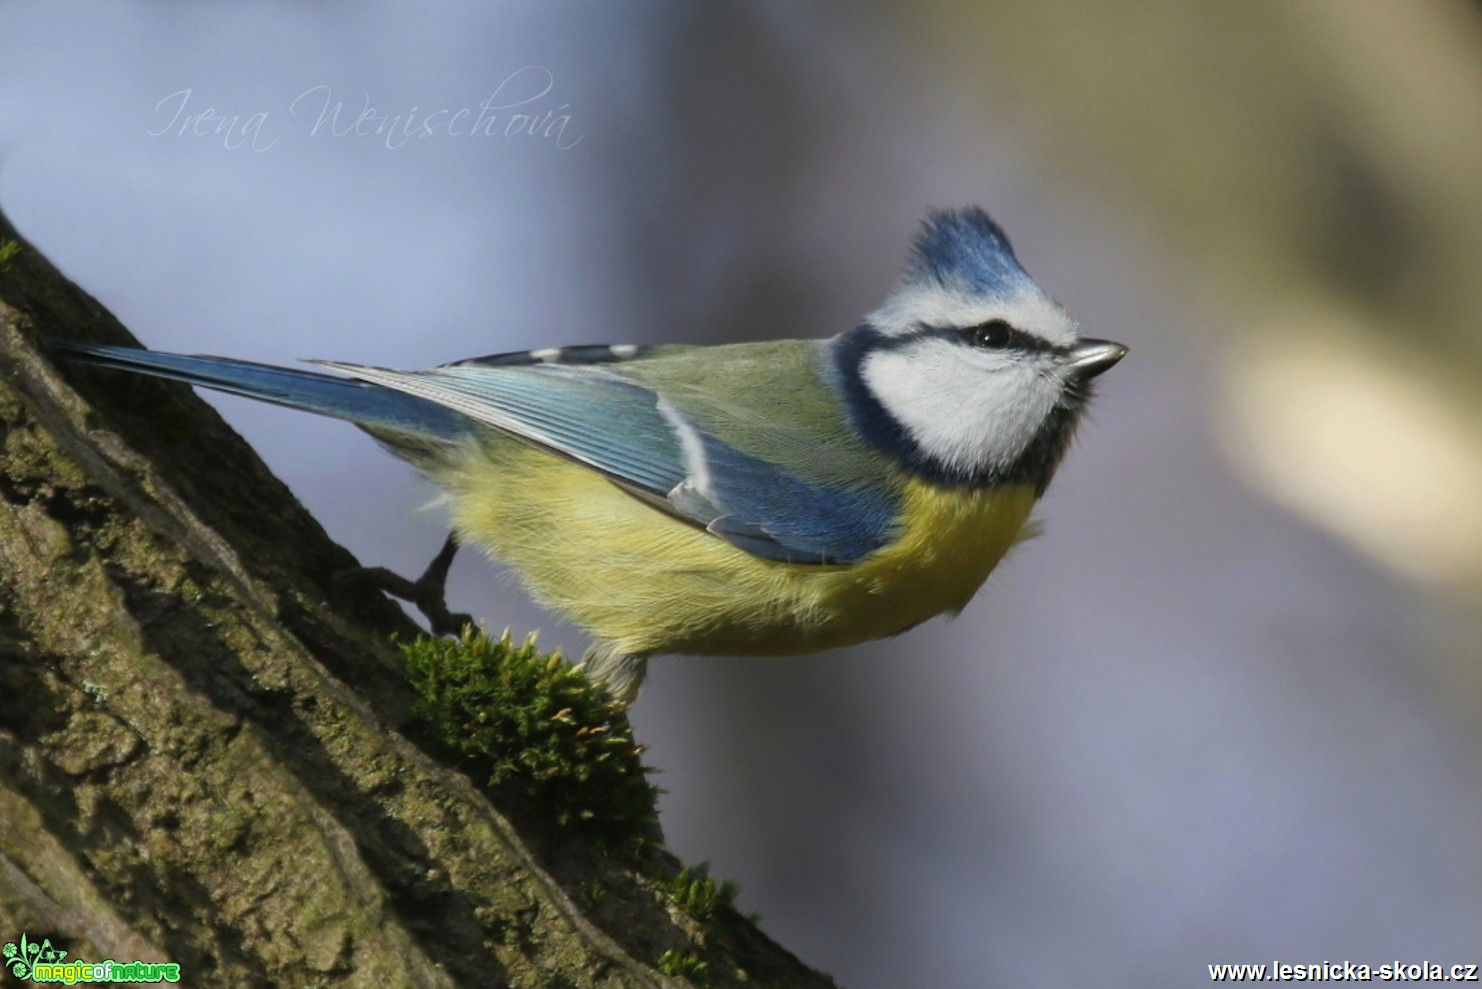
(965, 249)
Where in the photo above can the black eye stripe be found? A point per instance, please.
(999, 334)
(994, 334)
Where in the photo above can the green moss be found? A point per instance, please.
(684, 965)
(532, 725)
(8, 251)
(696, 893)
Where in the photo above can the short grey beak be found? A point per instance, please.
(1090, 357)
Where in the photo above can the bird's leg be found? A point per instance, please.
(428, 592)
(619, 674)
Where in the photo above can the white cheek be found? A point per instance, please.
(965, 410)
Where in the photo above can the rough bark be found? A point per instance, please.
(200, 758)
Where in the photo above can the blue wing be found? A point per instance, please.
(576, 402)
(593, 414)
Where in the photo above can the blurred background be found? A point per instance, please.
(1224, 710)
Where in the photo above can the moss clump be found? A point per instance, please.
(8, 251)
(533, 727)
(684, 965)
(696, 893)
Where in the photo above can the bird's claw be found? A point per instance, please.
(428, 592)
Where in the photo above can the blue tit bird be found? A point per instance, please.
(770, 498)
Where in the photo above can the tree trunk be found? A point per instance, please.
(200, 759)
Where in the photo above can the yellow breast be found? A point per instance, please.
(653, 584)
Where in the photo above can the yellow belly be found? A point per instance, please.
(650, 583)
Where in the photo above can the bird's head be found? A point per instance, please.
(969, 373)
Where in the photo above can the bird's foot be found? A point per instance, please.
(428, 592)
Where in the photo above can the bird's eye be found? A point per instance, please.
(992, 335)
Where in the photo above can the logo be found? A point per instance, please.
(31, 961)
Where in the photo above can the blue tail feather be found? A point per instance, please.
(373, 407)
